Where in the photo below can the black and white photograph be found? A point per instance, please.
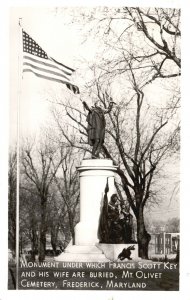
(94, 149)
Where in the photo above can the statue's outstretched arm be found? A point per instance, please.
(109, 107)
(86, 106)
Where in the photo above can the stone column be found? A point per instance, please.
(93, 177)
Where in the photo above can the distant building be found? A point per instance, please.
(166, 243)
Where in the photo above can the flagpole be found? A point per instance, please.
(18, 154)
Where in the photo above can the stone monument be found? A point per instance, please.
(97, 178)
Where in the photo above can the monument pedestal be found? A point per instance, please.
(94, 174)
(93, 178)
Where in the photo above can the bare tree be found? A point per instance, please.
(40, 171)
(29, 218)
(12, 177)
(68, 186)
(147, 37)
(166, 23)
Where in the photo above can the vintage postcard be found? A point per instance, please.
(94, 149)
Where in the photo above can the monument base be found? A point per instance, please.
(120, 252)
(100, 253)
(76, 253)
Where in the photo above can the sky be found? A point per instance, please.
(40, 26)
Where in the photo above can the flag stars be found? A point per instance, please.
(30, 46)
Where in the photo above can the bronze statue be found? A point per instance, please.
(126, 220)
(110, 229)
(96, 126)
(116, 222)
(115, 226)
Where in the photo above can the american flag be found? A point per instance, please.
(36, 60)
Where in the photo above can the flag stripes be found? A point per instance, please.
(48, 70)
(68, 68)
(52, 79)
(36, 60)
(45, 63)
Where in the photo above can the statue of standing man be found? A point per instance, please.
(96, 126)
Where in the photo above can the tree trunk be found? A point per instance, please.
(71, 225)
(42, 243)
(34, 243)
(54, 234)
(12, 221)
(42, 231)
(67, 234)
(143, 237)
